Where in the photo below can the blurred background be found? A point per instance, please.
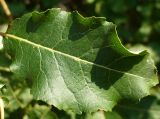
(138, 26)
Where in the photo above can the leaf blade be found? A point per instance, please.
(94, 81)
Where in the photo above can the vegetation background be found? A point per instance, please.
(138, 26)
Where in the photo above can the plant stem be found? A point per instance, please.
(5, 69)
(6, 9)
(1, 109)
(2, 34)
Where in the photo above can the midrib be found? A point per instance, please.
(67, 55)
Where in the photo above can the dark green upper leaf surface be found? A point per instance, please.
(77, 63)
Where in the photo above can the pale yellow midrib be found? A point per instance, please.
(67, 55)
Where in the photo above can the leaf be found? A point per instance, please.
(112, 115)
(103, 115)
(96, 115)
(148, 108)
(152, 50)
(4, 62)
(16, 97)
(39, 112)
(76, 63)
(4, 68)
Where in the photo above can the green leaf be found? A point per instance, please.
(153, 50)
(112, 115)
(39, 112)
(148, 108)
(15, 97)
(76, 63)
(4, 62)
(96, 115)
